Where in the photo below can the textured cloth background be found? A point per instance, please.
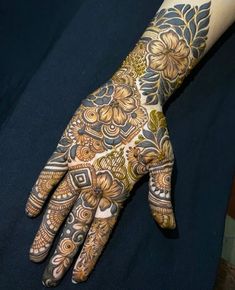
(54, 68)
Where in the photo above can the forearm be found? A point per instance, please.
(179, 35)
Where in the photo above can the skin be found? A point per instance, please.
(118, 134)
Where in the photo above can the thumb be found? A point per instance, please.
(160, 193)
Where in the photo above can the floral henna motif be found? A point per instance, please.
(117, 135)
(169, 55)
(175, 39)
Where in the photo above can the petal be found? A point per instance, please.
(170, 39)
(115, 191)
(104, 204)
(156, 47)
(122, 92)
(182, 65)
(127, 104)
(170, 71)
(181, 49)
(104, 180)
(105, 113)
(119, 116)
(58, 259)
(158, 62)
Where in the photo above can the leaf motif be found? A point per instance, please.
(179, 6)
(203, 33)
(199, 28)
(195, 53)
(159, 22)
(205, 6)
(148, 134)
(156, 121)
(149, 86)
(176, 21)
(172, 14)
(145, 144)
(178, 30)
(61, 149)
(192, 27)
(204, 23)
(186, 8)
(160, 13)
(151, 100)
(187, 35)
(189, 15)
(73, 150)
(199, 41)
(164, 26)
(64, 141)
(202, 15)
(160, 134)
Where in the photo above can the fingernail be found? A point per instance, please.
(74, 282)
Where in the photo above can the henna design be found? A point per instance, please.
(93, 186)
(117, 135)
(58, 208)
(94, 244)
(176, 40)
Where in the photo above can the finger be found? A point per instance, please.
(49, 177)
(72, 237)
(58, 208)
(95, 242)
(160, 194)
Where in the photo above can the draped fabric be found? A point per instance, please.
(53, 54)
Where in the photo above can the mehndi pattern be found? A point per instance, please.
(118, 134)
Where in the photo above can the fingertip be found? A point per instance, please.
(29, 213)
(32, 211)
(49, 283)
(36, 255)
(74, 282)
(76, 279)
(165, 221)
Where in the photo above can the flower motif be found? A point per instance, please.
(66, 246)
(110, 188)
(138, 117)
(137, 165)
(122, 104)
(90, 115)
(81, 134)
(169, 54)
(85, 153)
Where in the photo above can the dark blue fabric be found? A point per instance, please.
(201, 122)
(28, 30)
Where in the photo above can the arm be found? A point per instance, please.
(179, 35)
(117, 135)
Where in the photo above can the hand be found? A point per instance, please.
(117, 135)
(112, 140)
